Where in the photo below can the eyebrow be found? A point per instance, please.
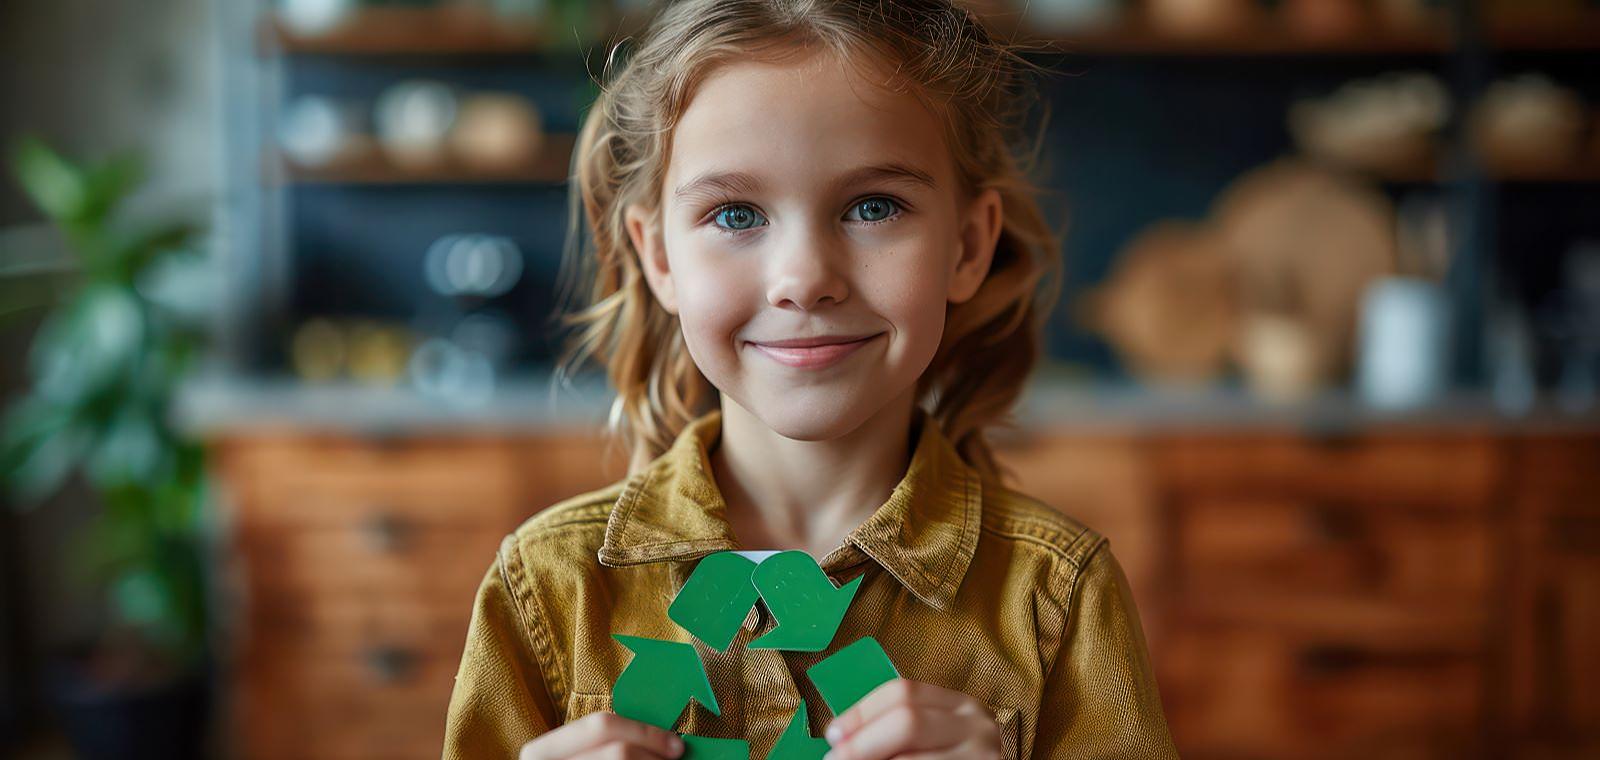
(736, 183)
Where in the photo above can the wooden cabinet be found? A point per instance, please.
(1329, 597)
(355, 568)
(1553, 662)
(1390, 594)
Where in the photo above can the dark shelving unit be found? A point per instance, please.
(304, 237)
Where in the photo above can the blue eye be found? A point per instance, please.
(738, 217)
(876, 209)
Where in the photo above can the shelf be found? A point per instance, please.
(408, 31)
(1579, 34)
(367, 165)
(1269, 38)
(1576, 173)
(1262, 40)
(464, 31)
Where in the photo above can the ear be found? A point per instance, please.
(980, 232)
(645, 234)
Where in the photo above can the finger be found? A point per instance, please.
(887, 696)
(617, 750)
(962, 752)
(905, 728)
(599, 728)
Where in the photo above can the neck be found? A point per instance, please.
(784, 493)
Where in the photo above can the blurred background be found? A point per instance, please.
(275, 356)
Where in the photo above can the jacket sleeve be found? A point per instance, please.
(1100, 698)
(501, 698)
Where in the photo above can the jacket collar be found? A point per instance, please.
(924, 535)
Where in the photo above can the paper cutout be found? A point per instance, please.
(713, 603)
(711, 748)
(658, 683)
(797, 743)
(851, 673)
(806, 604)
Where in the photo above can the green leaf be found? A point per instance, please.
(60, 189)
(35, 467)
(130, 450)
(85, 348)
(129, 253)
(143, 598)
(110, 182)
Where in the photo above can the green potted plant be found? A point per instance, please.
(102, 371)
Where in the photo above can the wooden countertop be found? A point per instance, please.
(220, 405)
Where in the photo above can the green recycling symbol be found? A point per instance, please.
(664, 675)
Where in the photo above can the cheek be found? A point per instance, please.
(909, 290)
(713, 304)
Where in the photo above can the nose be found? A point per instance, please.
(804, 271)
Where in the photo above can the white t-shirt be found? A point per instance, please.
(757, 556)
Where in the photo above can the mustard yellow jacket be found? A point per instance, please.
(967, 585)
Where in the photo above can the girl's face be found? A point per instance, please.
(806, 203)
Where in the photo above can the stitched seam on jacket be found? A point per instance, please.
(585, 510)
(922, 572)
(558, 526)
(937, 581)
(1029, 538)
(966, 526)
(1020, 520)
(1049, 539)
(1081, 555)
(1065, 603)
(543, 647)
(624, 508)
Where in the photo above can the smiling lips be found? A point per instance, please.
(813, 353)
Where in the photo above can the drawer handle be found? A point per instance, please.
(385, 532)
(1330, 660)
(1330, 523)
(390, 665)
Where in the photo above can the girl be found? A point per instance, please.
(814, 271)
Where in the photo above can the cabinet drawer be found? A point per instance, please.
(1410, 470)
(384, 554)
(323, 482)
(308, 703)
(337, 585)
(1234, 692)
(350, 619)
(1563, 472)
(1270, 545)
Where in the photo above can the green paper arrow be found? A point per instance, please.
(851, 673)
(797, 742)
(805, 602)
(714, 601)
(659, 682)
(710, 748)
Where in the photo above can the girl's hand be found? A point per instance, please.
(603, 735)
(904, 718)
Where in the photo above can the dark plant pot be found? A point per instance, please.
(167, 720)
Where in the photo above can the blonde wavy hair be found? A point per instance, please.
(955, 66)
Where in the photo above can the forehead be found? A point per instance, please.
(801, 123)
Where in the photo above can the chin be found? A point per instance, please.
(813, 414)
